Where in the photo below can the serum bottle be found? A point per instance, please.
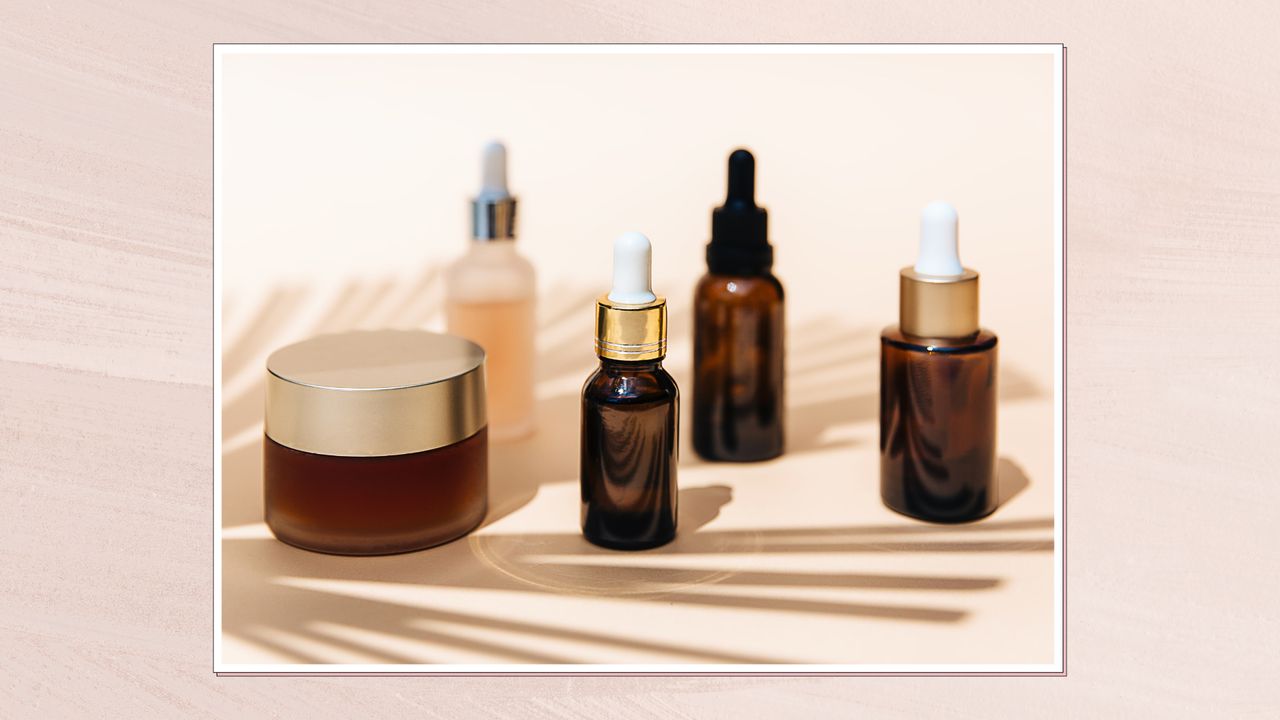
(938, 387)
(489, 299)
(630, 413)
(738, 332)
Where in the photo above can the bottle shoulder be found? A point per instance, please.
(619, 383)
(980, 341)
(746, 289)
(666, 382)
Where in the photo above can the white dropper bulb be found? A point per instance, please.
(494, 180)
(939, 246)
(632, 262)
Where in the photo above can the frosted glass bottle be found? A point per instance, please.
(490, 294)
(490, 300)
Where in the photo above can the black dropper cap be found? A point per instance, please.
(740, 228)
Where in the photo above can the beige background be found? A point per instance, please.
(106, 413)
(344, 191)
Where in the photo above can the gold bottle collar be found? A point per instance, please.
(631, 332)
(938, 307)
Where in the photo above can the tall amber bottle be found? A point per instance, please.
(738, 331)
(938, 387)
(630, 413)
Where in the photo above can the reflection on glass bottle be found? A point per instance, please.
(738, 331)
(630, 414)
(938, 387)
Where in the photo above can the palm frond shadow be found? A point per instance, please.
(281, 598)
(302, 596)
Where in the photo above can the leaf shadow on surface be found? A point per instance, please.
(285, 600)
(290, 601)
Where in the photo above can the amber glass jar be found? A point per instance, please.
(376, 442)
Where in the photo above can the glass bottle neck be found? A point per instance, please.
(623, 366)
(494, 246)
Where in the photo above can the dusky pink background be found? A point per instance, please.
(105, 349)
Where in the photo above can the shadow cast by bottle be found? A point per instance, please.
(416, 623)
(286, 600)
(1010, 481)
(309, 616)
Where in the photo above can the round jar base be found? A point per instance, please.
(392, 546)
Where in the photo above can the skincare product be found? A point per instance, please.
(938, 387)
(375, 441)
(630, 413)
(738, 331)
(490, 297)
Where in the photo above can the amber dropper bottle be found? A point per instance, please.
(738, 332)
(630, 413)
(938, 387)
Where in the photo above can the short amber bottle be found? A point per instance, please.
(938, 384)
(630, 414)
(739, 332)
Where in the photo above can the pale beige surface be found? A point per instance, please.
(105, 461)
(341, 173)
(799, 549)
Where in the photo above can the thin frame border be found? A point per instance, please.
(1057, 669)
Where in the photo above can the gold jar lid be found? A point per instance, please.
(375, 393)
